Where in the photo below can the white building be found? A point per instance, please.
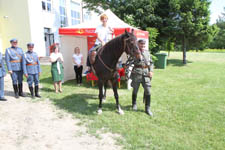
(38, 21)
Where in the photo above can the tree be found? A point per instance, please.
(193, 24)
(152, 38)
(219, 40)
(142, 14)
(183, 22)
(132, 11)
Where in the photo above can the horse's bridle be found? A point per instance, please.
(124, 48)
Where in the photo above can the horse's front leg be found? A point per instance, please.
(100, 96)
(115, 84)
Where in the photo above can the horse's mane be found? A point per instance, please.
(112, 45)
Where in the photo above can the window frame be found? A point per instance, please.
(46, 5)
(75, 13)
(64, 21)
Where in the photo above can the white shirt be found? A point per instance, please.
(55, 56)
(104, 34)
(77, 59)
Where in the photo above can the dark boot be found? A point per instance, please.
(36, 91)
(147, 105)
(144, 98)
(21, 90)
(31, 91)
(16, 90)
(3, 99)
(134, 104)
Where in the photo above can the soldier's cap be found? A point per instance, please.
(13, 40)
(30, 44)
(142, 41)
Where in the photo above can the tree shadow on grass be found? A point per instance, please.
(11, 93)
(141, 108)
(81, 103)
(84, 104)
(86, 84)
(47, 89)
(47, 80)
(176, 62)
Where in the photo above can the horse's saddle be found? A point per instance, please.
(93, 54)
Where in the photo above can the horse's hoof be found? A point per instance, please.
(99, 112)
(120, 111)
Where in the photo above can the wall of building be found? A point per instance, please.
(14, 23)
(26, 20)
(36, 26)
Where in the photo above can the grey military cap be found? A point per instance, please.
(142, 41)
(30, 44)
(13, 40)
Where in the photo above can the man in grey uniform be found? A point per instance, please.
(13, 58)
(2, 75)
(32, 70)
(142, 73)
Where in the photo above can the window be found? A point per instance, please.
(87, 16)
(62, 10)
(75, 13)
(46, 5)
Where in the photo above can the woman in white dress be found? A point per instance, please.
(57, 70)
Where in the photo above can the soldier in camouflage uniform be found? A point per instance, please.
(141, 74)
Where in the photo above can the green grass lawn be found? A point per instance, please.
(188, 103)
(210, 50)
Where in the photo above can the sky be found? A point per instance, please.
(216, 8)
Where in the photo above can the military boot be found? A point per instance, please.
(144, 97)
(16, 90)
(21, 90)
(147, 105)
(134, 104)
(31, 91)
(36, 91)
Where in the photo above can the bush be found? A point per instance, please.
(154, 58)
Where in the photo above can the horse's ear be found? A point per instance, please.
(126, 31)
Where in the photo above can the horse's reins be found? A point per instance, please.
(110, 69)
(107, 67)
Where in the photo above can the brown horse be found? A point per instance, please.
(106, 61)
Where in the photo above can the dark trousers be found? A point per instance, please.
(78, 72)
(88, 61)
(17, 77)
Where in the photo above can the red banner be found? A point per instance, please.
(91, 32)
(91, 41)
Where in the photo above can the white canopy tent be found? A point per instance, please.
(83, 36)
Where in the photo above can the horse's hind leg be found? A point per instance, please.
(100, 87)
(114, 84)
(104, 95)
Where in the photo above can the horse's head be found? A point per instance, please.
(130, 43)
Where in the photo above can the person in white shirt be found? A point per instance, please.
(78, 64)
(104, 34)
(57, 69)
